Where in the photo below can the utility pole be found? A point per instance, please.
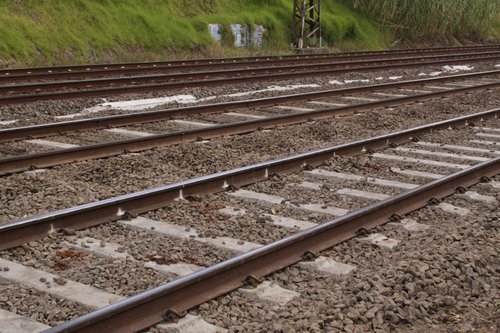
(306, 24)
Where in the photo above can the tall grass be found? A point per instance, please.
(432, 19)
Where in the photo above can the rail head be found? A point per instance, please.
(142, 311)
(177, 84)
(16, 133)
(18, 232)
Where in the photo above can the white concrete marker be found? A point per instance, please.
(309, 186)
(287, 222)
(192, 123)
(113, 251)
(446, 207)
(176, 231)
(14, 323)
(346, 191)
(327, 103)
(417, 173)
(355, 81)
(256, 196)
(271, 292)
(71, 290)
(92, 245)
(417, 91)
(178, 269)
(190, 324)
(294, 108)
(68, 116)
(346, 177)
(411, 225)
(441, 154)
(483, 142)
(230, 244)
(362, 194)
(390, 95)
(276, 200)
(420, 161)
(231, 211)
(460, 84)
(455, 147)
(243, 115)
(328, 266)
(328, 210)
(128, 133)
(380, 241)
(165, 228)
(474, 196)
(51, 144)
(487, 129)
(489, 135)
(439, 87)
(361, 98)
(7, 122)
(32, 173)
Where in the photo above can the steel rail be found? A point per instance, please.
(179, 67)
(341, 66)
(70, 155)
(17, 99)
(18, 232)
(173, 298)
(19, 133)
(188, 62)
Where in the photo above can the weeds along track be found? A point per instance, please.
(178, 246)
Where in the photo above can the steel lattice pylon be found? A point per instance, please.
(306, 24)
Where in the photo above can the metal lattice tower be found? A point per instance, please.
(306, 24)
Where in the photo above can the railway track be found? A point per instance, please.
(30, 92)
(299, 205)
(66, 143)
(48, 73)
(313, 99)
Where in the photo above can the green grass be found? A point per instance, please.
(60, 31)
(36, 32)
(433, 19)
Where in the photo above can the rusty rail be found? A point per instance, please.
(217, 61)
(187, 68)
(58, 157)
(347, 65)
(36, 227)
(274, 73)
(151, 307)
(19, 133)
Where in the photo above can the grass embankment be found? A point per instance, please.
(53, 31)
(416, 20)
(35, 32)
